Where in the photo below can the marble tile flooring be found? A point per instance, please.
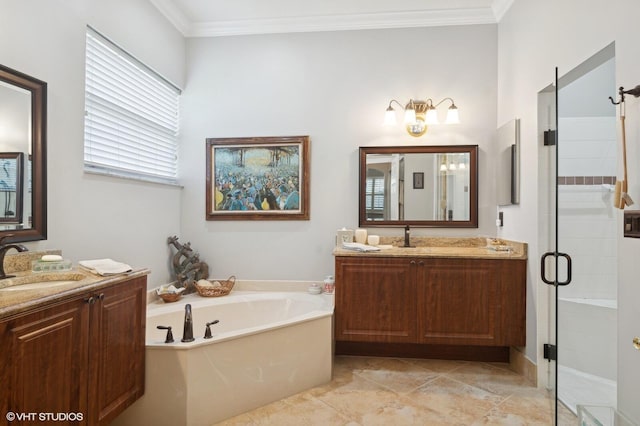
(393, 392)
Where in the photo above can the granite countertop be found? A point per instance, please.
(472, 248)
(77, 281)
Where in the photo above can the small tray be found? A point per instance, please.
(48, 266)
(499, 247)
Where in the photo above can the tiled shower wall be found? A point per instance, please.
(587, 219)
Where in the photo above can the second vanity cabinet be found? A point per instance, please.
(84, 354)
(446, 302)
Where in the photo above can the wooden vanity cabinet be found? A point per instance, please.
(82, 355)
(375, 301)
(117, 349)
(445, 302)
(471, 302)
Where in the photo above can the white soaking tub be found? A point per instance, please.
(266, 346)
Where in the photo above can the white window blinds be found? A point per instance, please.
(131, 116)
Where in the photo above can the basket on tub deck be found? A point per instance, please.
(215, 288)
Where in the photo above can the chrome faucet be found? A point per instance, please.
(187, 334)
(3, 251)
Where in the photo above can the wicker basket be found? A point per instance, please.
(170, 297)
(222, 290)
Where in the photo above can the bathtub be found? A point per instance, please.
(267, 346)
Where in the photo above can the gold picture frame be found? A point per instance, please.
(258, 178)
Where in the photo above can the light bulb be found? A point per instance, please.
(410, 116)
(432, 116)
(452, 115)
(390, 117)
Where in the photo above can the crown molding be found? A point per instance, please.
(343, 22)
(500, 8)
(174, 14)
(419, 18)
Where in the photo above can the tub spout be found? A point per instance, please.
(187, 334)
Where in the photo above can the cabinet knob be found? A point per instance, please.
(413, 262)
(636, 343)
(101, 296)
(421, 263)
(90, 300)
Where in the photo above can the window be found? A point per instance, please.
(374, 195)
(131, 116)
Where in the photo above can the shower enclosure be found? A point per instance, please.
(587, 220)
(578, 174)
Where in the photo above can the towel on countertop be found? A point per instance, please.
(105, 266)
(359, 247)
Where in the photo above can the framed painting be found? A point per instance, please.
(258, 178)
(418, 180)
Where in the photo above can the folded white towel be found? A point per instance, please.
(359, 247)
(105, 266)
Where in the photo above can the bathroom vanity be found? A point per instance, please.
(75, 348)
(457, 300)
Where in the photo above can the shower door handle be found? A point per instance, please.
(543, 271)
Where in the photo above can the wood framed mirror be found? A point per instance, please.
(23, 113)
(420, 186)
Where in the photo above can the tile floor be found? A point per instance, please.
(394, 391)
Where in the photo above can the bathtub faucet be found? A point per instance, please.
(187, 334)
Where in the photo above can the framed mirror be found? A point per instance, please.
(420, 186)
(23, 129)
(508, 167)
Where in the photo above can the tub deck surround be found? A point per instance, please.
(471, 247)
(262, 311)
(268, 346)
(17, 301)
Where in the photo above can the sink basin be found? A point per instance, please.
(40, 281)
(417, 249)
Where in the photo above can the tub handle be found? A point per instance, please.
(169, 338)
(207, 332)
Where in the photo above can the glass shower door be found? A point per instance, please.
(580, 177)
(555, 266)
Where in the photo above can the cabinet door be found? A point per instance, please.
(44, 358)
(458, 302)
(375, 300)
(117, 333)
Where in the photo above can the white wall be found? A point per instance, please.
(335, 88)
(534, 37)
(91, 216)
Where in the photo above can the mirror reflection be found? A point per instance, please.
(22, 156)
(419, 186)
(11, 187)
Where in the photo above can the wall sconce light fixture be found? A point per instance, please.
(452, 162)
(420, 114)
